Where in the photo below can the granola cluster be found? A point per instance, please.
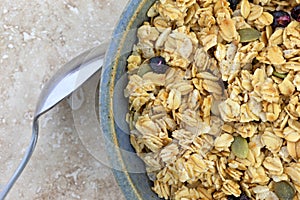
(223, 120)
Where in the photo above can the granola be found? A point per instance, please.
(223, 120)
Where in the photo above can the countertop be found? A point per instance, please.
(37, 37)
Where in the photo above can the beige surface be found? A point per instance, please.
(36, 38)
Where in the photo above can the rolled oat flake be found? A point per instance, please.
(144, 68)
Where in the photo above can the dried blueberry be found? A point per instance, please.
(243, 196)
(231, 197)
(233, 4)
(281, 19)
(158, 65)
(295, 12)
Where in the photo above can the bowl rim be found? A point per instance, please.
(107, 84)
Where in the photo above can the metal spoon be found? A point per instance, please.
(69, 78)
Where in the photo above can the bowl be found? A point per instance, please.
(234, 104)
(128, 169)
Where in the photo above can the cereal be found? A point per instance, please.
(245, 8)
(271, 141)
(220, 121)
(227, 30)
(293, 149)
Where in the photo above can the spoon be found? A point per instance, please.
(69, 78)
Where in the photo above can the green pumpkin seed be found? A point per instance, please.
(239, 147)
(284, 190)
(279, 75)
(143, 69)
(248, 34)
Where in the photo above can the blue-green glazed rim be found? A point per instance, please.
(135, 186)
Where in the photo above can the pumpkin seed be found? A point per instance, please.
(284, 190)
(248, 34)
(239, 147)
(279, 75)
(143, 69)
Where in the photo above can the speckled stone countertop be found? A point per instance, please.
(36, 38)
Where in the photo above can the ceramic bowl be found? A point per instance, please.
(127, 167)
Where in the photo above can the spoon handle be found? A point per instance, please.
(69, 78)
(24, 161)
